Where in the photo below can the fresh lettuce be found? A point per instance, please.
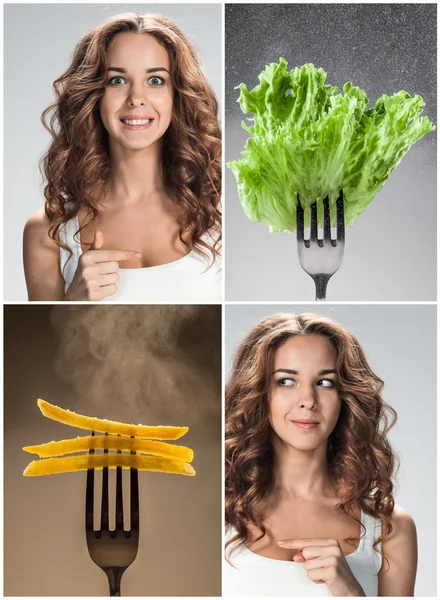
(308, 142)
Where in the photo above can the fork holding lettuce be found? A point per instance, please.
(308, 142)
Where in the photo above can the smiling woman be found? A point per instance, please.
(309, 492)
(133, 173)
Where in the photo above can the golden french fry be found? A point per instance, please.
(83, 422)
(52, 466)
(108, 442)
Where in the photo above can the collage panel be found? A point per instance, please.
(156, 366)
(228, 436)
(126, 204)
(330, 425)
(322, 103)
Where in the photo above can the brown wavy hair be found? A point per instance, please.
(76, 166)
(360, 458)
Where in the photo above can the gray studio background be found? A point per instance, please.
(39, 40)
(391, 252)
(400, 346)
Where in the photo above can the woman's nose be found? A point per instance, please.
(137, 95)
(307, 398)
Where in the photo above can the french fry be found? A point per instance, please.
(108, 442)
(167, 458)
(92, 423)
(52, 466)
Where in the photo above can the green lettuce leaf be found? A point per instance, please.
(308, 142)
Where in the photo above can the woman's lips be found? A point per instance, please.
(305, 425)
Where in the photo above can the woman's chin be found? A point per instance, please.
(306, 447)
(134, 144)
(303, 445)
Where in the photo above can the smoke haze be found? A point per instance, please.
(155, 361)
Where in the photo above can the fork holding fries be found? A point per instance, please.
(164, 457)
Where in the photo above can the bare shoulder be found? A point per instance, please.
(398, 573)
(36, 230)
(41, 260)
(403, 525)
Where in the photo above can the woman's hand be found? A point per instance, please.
(325, 562)
(97, 273)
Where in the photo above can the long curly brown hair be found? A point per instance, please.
(77, 166)
(360, 458)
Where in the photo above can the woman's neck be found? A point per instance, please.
(302, 474)
(135, 175)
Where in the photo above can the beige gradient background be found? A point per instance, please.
(142, 364)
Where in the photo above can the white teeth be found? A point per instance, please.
(136, 121)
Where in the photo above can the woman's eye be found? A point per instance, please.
(116, 80)
(285, 382)
(326, 383)
(156, 80)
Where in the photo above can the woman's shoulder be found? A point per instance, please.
(37, 227)
(36, 230)
(41, 259)
(400, 518)
(397, 578)
(38, 218)
(402, 522)
(403, 538)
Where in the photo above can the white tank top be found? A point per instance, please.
(185, 280)
(255, 575)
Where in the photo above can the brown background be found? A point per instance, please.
(141, 364)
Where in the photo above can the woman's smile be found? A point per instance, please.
(136, 122)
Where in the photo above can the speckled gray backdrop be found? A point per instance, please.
(391, 252)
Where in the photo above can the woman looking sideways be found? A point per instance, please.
(309, 502)
(133, 172)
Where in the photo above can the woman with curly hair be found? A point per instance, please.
(309, 497)
(133, 172)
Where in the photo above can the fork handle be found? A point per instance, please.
(114, 576)
(321, 282)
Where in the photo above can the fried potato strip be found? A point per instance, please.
(52, 466)
(92, 423)
(108, 442)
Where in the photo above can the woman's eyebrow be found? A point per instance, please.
(151, 70)
(293, 372)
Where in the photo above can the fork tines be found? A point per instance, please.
(134, 498)
(326, 239)
(113, 550)
(321, 257)
(119, 511)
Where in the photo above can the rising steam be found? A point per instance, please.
(147, 364)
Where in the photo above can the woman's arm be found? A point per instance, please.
(41, 258)
(400, 549)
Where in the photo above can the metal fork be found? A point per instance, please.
(113, 550)
(321, 258)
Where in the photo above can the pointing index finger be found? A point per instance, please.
(299, 544)
(114, 255)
